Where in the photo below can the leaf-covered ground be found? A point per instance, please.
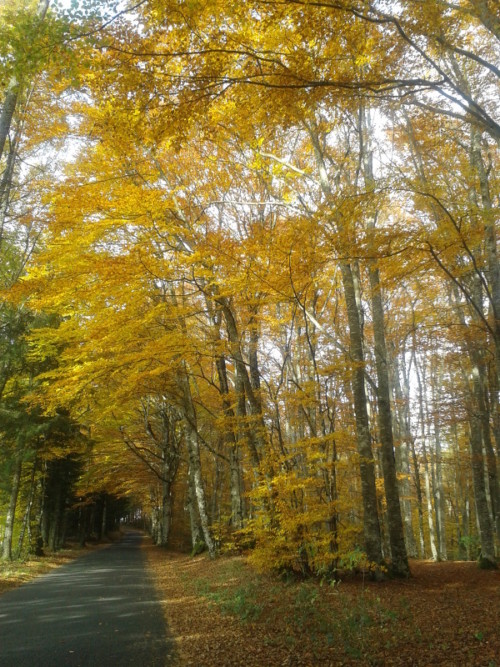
(224, 613)
(19, 572)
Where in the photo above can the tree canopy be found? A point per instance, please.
(251, 256)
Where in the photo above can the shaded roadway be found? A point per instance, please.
(100, 610)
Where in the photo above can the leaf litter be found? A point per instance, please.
(224, 613)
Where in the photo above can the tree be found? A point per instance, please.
(263, 239)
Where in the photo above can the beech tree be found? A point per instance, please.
(271, 259)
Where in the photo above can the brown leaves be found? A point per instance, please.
(447, 614)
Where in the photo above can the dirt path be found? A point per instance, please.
(222, 613)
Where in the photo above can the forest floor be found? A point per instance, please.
(224, 613)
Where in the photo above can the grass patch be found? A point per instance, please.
(240, 602)
(232, 595)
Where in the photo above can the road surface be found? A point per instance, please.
(100, 610)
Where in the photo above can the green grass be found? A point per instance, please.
(241, 601)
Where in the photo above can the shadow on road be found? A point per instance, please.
(98, 611)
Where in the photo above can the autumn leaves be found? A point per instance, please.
(261, 236)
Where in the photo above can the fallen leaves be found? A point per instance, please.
(448, 614)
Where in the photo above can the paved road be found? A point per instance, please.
(98, 611)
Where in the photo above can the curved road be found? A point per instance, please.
(100, 610)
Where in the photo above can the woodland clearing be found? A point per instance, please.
(223, 612)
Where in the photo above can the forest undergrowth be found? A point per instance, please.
(224, 612)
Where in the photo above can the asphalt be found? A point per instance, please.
(100, 610)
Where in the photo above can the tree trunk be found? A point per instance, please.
(195, 461)
(493, 487)
(425, 461)
(11, 510)
(487, 558)
(437, 468)
(439, 495)
(165, 513)
(245, 391)
(25, 527)
(371, 524)
(234, 456)
(403, 435)
(194, 518)
(13, 91)
(8, 109)
(55, 518)
(399, 563)
(420, 500)
(237, 514)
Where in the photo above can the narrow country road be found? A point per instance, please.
(100, 610)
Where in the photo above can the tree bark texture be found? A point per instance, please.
(11, 510)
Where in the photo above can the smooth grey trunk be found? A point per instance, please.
(399, 562)
(439, 494)
(232, 427)
(194, 518)
(461, 494)
(399, 557)
(415, 461)
(439, 500)
(169, 468)
(490, 218)
(476, 433)
(166, 512)
(6, 184)
(191, 433)
(493, 280)
(195, 465)
(8, 109)
(245, 392)
(253, 360)
(25, 526)
(478, 464)
(425, 461)
(493, 395)
(420, 499)
(11, 510)
(430, 512)
(237, 511)
(466, 526)
(371, 523)
(235, 482)
(403, 435)
(493, 489)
